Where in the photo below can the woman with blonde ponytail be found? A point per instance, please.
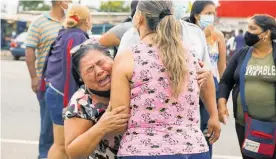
(157, 78)
(57, 72)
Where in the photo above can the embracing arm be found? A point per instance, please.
(81, 137)
(120, 85)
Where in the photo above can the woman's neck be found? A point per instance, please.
(263, 49)
(144, 33)
(83, 28)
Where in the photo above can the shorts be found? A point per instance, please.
(54, 102)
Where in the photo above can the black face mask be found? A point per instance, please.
(251, 39)
(105, 94)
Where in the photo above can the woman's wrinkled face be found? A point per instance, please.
(95, 70)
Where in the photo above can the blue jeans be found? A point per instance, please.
(46, 138)
(204, 116)
(190, 156)
(54, 103)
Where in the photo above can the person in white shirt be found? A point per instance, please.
(193, 38)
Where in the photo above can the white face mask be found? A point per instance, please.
(66, 10)
(180, 8)
(206, 20)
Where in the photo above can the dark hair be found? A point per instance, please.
(266, 22)
(133, 6)
(76, 58)
(197, 8)
(241, 31)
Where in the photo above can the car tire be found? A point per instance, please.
(16, 58)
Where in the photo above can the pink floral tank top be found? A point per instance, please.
(158, 124)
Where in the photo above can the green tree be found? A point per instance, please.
(114, 6)
(33, 5)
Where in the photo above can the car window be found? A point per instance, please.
(21, 37)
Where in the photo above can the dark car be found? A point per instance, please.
(17, 46)
(100, 29)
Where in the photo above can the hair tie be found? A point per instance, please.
(165, 13)
(76, 18)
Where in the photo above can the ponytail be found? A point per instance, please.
(172, 52)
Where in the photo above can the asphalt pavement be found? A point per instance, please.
(20, 117)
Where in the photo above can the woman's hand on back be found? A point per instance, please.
(202, 75)
(113, 120)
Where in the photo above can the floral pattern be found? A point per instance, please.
(160, 124)
(81, 106)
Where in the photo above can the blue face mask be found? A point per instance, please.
(180, 8)
(206, 20)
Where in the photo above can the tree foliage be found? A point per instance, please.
(114, 6)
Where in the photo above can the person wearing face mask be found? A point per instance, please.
(193, 38)
(258, 62)
(203, 15)
(58, 71)
(41, 34)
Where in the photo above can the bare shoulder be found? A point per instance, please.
(219, 34)
(124, 63)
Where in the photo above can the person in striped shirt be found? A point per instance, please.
(41, 34)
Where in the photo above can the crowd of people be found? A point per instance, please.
(162, 95)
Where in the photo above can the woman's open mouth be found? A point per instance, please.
(105, 80)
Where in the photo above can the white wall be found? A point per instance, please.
(228, 24)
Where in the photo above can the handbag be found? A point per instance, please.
(260, 136)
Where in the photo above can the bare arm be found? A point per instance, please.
(120, 85)
(82, 137)
(208, 97)
(109, 40)
(30, 60)
(222, 54)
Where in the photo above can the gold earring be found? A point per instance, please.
(265, 38)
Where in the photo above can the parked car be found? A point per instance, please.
(17, 46)
(100, 29)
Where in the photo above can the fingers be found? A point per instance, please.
(201, 83)
(35, 89)
(122, 121)
(118, 110)
(227, 112)
(121, 116)
(210, 131)
(221, 118)
(215, 135)
(120, 126)
(201, 64)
